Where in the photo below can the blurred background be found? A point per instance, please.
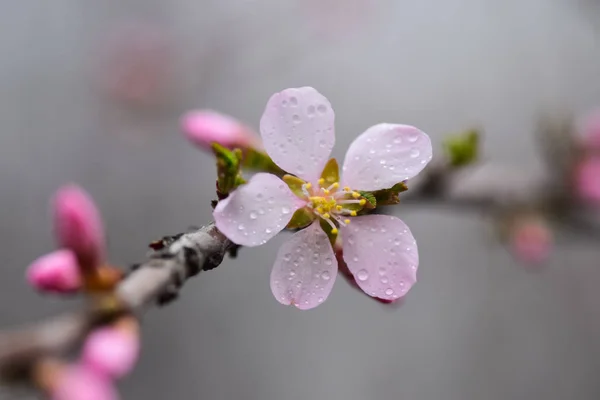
(91, 92)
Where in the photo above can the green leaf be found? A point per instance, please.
(385, 197)
(331, 172)
(300, 219)
(462, 149)
(295, 184)
(228, 170)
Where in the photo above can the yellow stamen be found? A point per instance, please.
(334, 231)
(346, 189)
(356, 195)
(353, 213)
(338, 208)
(308, 185)
(325, 191)
(362, 202)
(320, 210)
(335, 185)
(321, 181)
(326, 216)
(346, 221)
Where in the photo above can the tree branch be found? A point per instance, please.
(155, 281)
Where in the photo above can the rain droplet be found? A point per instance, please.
(322, 108)
(372, 151)
(296, 118)
(292, 272)
(397, 242)
(310, 110)
(362, 275)
(259, 196)
(284, 103)
(322, 143)
(271, 200)
(384, 279)
(261, 211)
(413, 136)
(241, 208)
(293, 101)
(320, 299)
(382, 162)
(287, 257)
(241, 227)
(268, 230)
(328, 261)
(355, 259)
(381, 271)
(414, 152)
(285, 210)
(389, 291)
(298, 284)
(398, 140)
(253, 215)
(325, 276)
(350, 239)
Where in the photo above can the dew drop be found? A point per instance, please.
(310, 110)
(389, 291)
(271, 200)
(382, 162)
(322, 143)
(325, 276)
(397, 242)
(296, 118)
(241, 227)
(285, 210)
(320, 299)
(328, 261)
(355, 259)
(298, 284)
(414, 152)
(382, 271)
(292, 272)
(398, 140)
(362, 275)
(372, 151)
(351, 239)
(261, 211)
(241, 208)
(284, 103)
(384, 279)
(287, 257)
(253, 215)
(322, 108)
(259, 196)
(268, 230)
(293, 101)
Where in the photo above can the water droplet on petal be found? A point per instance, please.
(328, 261)
(320, 299)
(285, 210)
(389, 291)
(292, 272)
(296, 118)
(271, 200)
(355, 259)
(398, 140)
(268, 230)
(287, 257)
(259, 196)
(261, 211)
(322, 108)
(362, 275)
(325, 276)
(293, 101)
(298, 284)
(382, 162)
(414, 152)
(241, 227)
(310, 111)
(381, 271)
(384, 279)
(413, 136)
(253, 215)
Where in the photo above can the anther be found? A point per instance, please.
(353, 213)
(334, 231)
(362, 202)
(338, 208)
(346, 189)
(356, 195)
(326, 216)
(346, 221)
(321, 181)
(308, 185)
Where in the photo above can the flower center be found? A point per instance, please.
(332, 203)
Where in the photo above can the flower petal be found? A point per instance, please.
(110, 351)
(384, 155)
(81, 383)
(55, 272)
(305, 269)
(382, 254)
(257, 210)
(297, 129)
(205, 127)
(78, 225)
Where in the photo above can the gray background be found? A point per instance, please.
(476, 326)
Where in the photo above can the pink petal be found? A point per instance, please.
(257, 210)
(305, 269)
(384, 155)
(297, 129)
(531, 242)
(111, 352)
(55, 272)
(587, 180)
(205, 127)
(80, 383)
(382, 254)
(78, 224)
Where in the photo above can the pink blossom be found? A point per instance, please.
(111, 351)
(587, 180)
(531, 241)
(55, 272)
(78, 225)
(205, 127)
(81, 383)
(297, 129)
(590, 129)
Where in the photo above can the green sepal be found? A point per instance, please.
(295, 184)
(228, 169)
(386, 197)
(300, 219)
(331, 172)
(462, 149)
(327, 229)
(260, 161)
(370, 198)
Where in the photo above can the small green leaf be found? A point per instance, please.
(331, 172)
(462, 149)
(300, 219)
(295, 184)
(228, 170)
(390, 196)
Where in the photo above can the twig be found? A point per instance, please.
(156, 281)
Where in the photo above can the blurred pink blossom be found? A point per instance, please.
(55, 272)
(590, 131)
(205, 127)
(531, 240)
(111, 351)
(78, 225)
(587, 180)
(81, 383)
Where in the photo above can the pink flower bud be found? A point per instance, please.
(205, 127)
(531, 241)
(81, 383)
(55, 272)
(590, 130)
(78, 225)
(110, 351)
(587, 180)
